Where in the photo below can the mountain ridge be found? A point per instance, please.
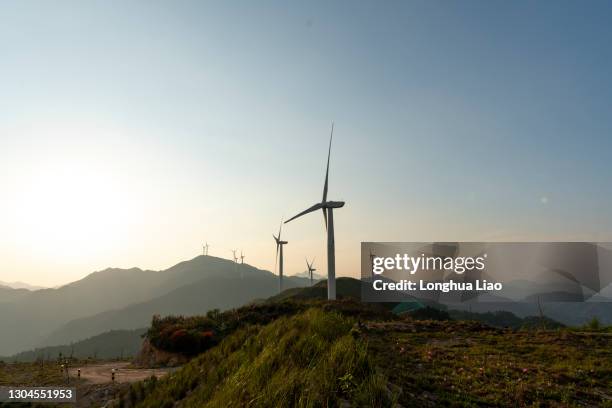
(34, 316)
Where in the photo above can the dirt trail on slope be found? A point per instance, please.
(102, 373)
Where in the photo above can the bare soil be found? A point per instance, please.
(124, 373)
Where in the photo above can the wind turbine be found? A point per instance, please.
(328, 215)
(311, 269)
(206, 248)
(279, 250)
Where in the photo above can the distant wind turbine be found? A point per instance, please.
(206, 248)
(311, 269)
(328, 215)
(279, 250)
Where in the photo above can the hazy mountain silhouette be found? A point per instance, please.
(29, 319)
(21, 285)
(8, 294)
(195, 298)
(112, 344)
(315, 276)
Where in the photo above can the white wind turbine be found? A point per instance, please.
(279, 250)
(328, 215)
(311, 269)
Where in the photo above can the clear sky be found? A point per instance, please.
(131, 132)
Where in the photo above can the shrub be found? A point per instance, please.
(594, 324)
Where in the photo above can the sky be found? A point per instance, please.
(133, 132)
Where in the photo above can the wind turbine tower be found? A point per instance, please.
(279, 251)
(328, 214)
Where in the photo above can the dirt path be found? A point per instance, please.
(102, 373)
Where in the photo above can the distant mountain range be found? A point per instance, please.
(127, 299)
(315, 276)
(20, 285)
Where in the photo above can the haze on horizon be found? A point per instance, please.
(130, 133)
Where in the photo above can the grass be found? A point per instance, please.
(30, 374)
(466, 364)
(346, 351)
(312, 359)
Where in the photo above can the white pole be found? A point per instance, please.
(331, 256)
(280, 271)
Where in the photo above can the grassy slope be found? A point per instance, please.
(318, 357)
(311, 359)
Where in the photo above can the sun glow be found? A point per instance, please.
(68, 203)
(70, 207)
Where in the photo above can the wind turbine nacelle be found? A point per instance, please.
(333, 204)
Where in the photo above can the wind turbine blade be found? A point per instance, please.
(311, 209)
(276, 258)
(327, 170)
(280, 229)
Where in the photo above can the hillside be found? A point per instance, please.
(195, 298)
(310, 359)
(346, 353)
(37, 316)
(109, 345)
(8, 294)
(32, 316)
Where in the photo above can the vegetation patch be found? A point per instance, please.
(466, 364)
